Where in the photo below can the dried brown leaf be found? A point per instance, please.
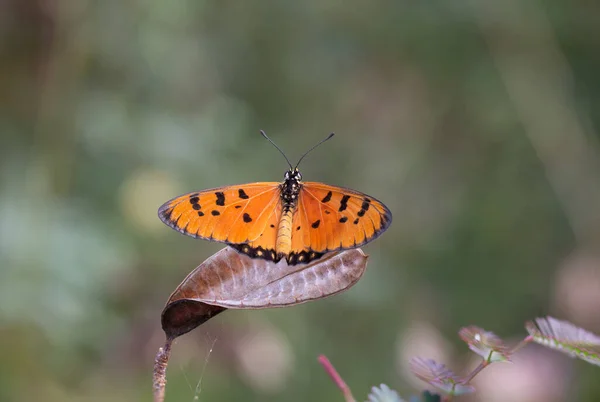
(233, 280)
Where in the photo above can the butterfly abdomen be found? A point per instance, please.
(283, 245)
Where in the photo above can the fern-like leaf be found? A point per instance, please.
(485, 344)
(439, 376)
(565, 337)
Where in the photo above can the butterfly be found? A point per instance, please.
(296, 220)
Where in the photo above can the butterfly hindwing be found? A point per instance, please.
(334, 218)
(232, 214)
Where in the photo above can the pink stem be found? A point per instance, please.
(524, 342)
(477, 370)
(337, 379)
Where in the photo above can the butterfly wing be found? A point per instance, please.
(247, 213)
(334, 218)
(248, 217)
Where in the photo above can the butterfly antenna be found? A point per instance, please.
(309, 151)
(275, 145)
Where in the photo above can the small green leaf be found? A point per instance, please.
(383, 393)
(485, 344)
(565, 337)
(439, 376)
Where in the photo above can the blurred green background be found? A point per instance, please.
(474, 121)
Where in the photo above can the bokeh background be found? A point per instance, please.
(476, 122)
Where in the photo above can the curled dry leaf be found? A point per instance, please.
(229, 279)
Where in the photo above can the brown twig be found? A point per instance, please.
(337, 379)
(160, 371)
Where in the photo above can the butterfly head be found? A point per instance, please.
(291, 186)
(293, 175)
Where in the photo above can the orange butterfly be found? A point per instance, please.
(295, 220)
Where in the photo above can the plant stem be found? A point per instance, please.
(337, 379)
(160, 371)
(524, 342)
(482, 365)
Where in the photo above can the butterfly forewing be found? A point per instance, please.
(231, 214)
(337, 218)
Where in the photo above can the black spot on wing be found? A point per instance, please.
(327, 198)
(200, 213)
(327, 211)
(344, 203)
(343, 219)
(194, 200)
(256, 252)
(302, 257)
(196, 207)
(364, 207)
(316, 224)
(355, 221)
(386, 219)
(220, 198)
(247, 218)
(292, 259)
(214, 212)
(165, 215)
(238, 206)
(242, 194)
